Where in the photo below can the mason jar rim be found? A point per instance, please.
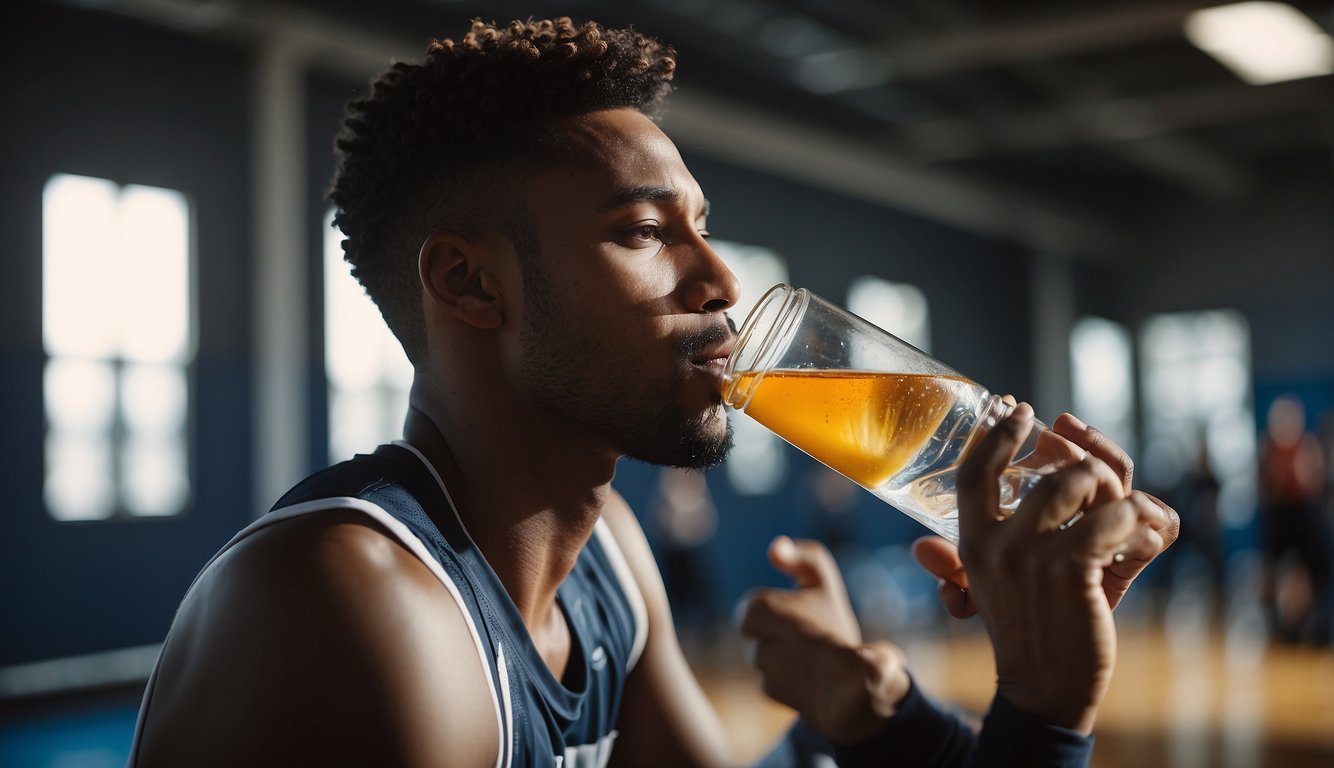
(760, 353)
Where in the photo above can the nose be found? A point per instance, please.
(711, 286)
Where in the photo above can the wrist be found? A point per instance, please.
(885, 684)
(1012, 736)
(919, 733)
(1062, 687)
(1063, 709)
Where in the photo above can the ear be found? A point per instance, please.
(453, 270)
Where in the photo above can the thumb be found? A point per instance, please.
(941, 559)
(806, 562)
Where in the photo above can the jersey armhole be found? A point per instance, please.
(629, 586)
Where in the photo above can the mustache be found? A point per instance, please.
(711, 336)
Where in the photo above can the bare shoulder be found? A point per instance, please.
(620, 518)
(629, 535)
(320, 639)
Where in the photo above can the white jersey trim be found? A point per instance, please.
(453, 508)
(629, 586)
(507, 723)
(502, 667)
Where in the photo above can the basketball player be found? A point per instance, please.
(477, 594)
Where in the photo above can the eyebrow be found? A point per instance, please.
(646, 194)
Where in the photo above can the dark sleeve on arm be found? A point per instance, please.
(923, 734)
(1011, 736)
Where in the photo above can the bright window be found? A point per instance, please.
(1196, 370)
(757, 465)
(899, 308)
(1102, 378)
(368, 373)
(118, 334)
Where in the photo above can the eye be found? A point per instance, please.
(704, 233)
(646, 232)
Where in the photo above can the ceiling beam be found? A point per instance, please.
(868, 171)
(1035, 38)
(329, 45)
(1079, 122)
(1151, 133)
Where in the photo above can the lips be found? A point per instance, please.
(707, 351)
(715, 355)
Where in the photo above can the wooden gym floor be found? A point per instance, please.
(1182, 698)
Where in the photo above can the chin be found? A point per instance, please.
(708, 444)
(698, 443)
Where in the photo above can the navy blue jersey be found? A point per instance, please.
(568, 723)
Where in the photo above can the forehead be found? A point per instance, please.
(605, 154)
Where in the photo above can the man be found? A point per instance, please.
(477, 594)
(1292, 485)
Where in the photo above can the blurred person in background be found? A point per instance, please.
(1197, 557)
(832, 507)
(686, 519)
(1293, 479)
(477, 594)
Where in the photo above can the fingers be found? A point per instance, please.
(1156, 529)
(817, 607)
(1059, 498)
(809, 563)
(941, 559)
(1171, 521)
(1051, 451)
(1106, 529)
(845, 693)
(769, 613)
(979, 475)
(959, 602)
(1154, 519)
(850, 663)
(1097, 443)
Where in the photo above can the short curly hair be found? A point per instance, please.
(445, 143)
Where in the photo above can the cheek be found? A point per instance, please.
(651, 284)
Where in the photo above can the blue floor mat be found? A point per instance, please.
(93, 737)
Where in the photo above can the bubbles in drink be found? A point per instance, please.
(867, 426)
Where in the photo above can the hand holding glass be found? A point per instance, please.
(873, 407)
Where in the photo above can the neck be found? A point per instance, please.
(528, 505)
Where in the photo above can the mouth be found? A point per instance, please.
(714, 359)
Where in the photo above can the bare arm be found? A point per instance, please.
(320, 640)
(665, 718)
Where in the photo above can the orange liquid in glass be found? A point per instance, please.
(867, 426)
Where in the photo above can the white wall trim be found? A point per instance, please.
(123, 666)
